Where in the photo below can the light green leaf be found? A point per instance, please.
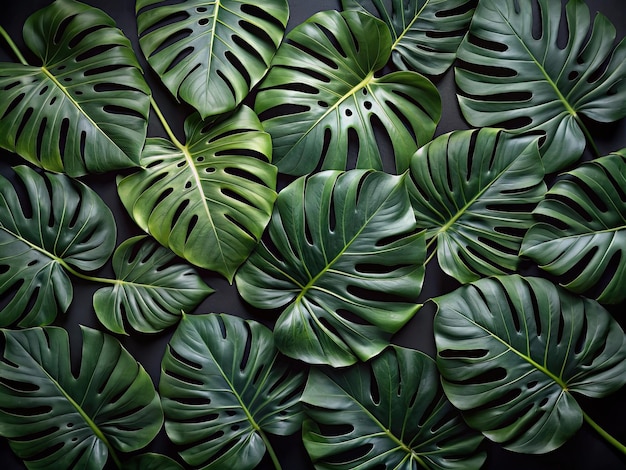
(85, 108)
(344, 264)
(513, 353)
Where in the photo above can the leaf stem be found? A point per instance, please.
(270, 449)
(610, 439)
(164, 123)
(13, 46)
(590, 141)
(74, 272)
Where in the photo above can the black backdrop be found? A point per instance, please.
(586, 450)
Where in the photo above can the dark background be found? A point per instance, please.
(586, 450)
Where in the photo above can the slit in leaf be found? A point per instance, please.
(58, 34)
(259, 35)
(236, 63)
(83, 34)
(95, 51)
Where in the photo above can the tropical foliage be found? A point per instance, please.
(301, 168)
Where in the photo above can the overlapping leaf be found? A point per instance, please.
(223, 386)
(513, 352)
(425, 33)
(151, 291)
(55, 419)
(344, 264)
(85, 109)
(514, 75)
(391, 413)
(321, 101)
(211, 53)
(47, 223)
(581, 235)
(209, 200)
(474, 191)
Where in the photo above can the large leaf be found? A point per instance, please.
(425, 33)
(473, 192)
(208, 200)
(321, 102)
(582, 230)
(211, 53)
(85, 108)
(151, 290)
(344, 264)
(391, 413)
(48, 224)
(512, 72)
(223, 386)
(514, 351)
(58, 418)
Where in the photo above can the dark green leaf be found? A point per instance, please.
(223, 385)
(151, 291)
(85, 109)
(320, 100)
(210, 54)
(346, 266)
(151, 462)
(514, 351)
(529, 81)
(582, 233)
(425, 33)
(56, 419)
(209, 200)
(474, 192)
(391, 413)
(46, 224)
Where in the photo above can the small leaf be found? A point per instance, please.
(46, 223)
(391, 413)
(150, 292)
(209, 200)
(474, 192)
(513, 76)
(425, 33)
(320, 101)
(211, 54)
(85, 109)
(344, 264)
(223, 385)
(513, 352)
(582, 233)
(55, 419)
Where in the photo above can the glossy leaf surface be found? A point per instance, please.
(321, 101)
(473, 192)
(46, 223)
(85, 109)
(582, 230)
(211, 53)
(344, 265)
(223, 385)
(425, 33)
(151, 290)
(391, 413)
(55, 419)
(151, 462)
(514, 352)
(209, 200)
(528, 79)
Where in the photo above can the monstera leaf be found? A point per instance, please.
(425, 33)
(473, 192)
(57, 418)
(209, 200)
(210, 54)
(85, 109)
(514, 351)
(512, 75)
(151, 462)
(223, 386)
(321, 102)
(391, 413)
(582, 233)
(150, 292)
(48, 225)
(344, 263)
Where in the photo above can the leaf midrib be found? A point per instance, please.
(400, 36)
